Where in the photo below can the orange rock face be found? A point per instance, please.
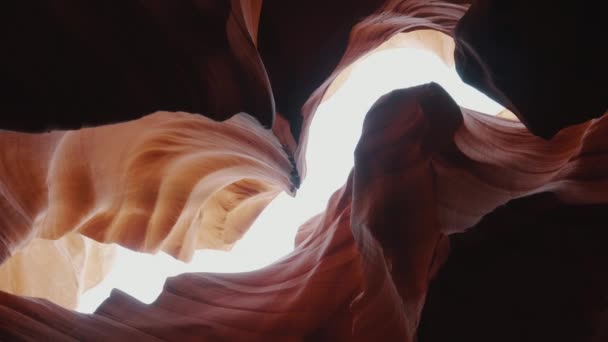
(361, 270)
(57, 270)
(429, 177)
(157, 183)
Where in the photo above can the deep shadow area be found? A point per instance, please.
(543, 59)
(533, 270)
(67, 64)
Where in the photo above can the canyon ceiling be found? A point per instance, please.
(170, 125)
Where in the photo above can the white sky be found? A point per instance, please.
(329, 160)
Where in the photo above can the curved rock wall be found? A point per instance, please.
(427, 174)
(361, 270)
(169, 181)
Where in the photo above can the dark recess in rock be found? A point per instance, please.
(529, 271)
(67, 64)
(546, 60)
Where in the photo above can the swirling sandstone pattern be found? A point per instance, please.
(169, 181)
(373, 286)
(77, 203)
(427, 175)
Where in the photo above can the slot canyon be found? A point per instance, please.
(169, 127)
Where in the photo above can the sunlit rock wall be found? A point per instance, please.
(428, 174)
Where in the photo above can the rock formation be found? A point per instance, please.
(58, 270)
(162, 182)
(438, 193)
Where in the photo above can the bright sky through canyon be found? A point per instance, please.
(334, 133)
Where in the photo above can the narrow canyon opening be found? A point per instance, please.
(334, 133)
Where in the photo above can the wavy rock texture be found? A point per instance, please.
(134, 218)
(428, 176)
(373, 286)
(169, 181)
(461, 169)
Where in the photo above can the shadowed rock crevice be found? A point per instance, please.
(529, 271)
